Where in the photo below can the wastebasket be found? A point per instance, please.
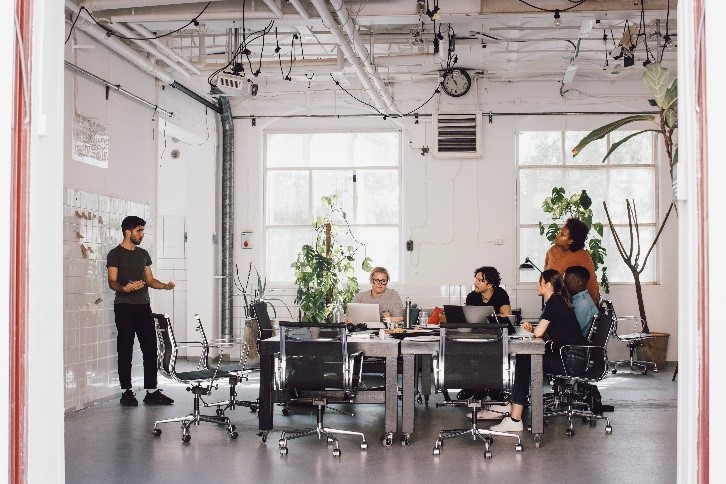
(654, 349)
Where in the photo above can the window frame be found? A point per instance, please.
(354, 170)
(607, 166)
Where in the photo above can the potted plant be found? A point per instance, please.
(665, 99)
(325, 270)
(576, 206)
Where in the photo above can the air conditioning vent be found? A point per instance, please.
(236, 86)
(457, 135)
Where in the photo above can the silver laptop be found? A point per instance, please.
(477, 314)
(365, 313)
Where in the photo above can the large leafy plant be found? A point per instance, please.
(325, 271)
(665, 98)
(561, 207)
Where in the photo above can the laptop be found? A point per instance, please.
(467, 314)
(365, 313)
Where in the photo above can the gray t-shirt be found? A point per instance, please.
(131, 265)
(388, 301)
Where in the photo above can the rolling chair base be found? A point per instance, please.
(633, 363)
(196, 417)
(320, 431)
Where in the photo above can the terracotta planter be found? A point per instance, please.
(655, 349)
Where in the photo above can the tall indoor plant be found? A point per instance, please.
(325, 271)
(665, 99)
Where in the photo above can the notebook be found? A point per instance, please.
(365, 313)
(467, 314)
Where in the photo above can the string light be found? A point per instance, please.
(558, 20)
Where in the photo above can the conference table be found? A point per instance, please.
(411, 350)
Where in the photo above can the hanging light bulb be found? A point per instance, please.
(558, 20)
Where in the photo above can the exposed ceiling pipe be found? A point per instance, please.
(274, 8)
(348, 26)
(300, 9)
(118, 46)
(148, 47)
(164, 48)
(322, 7)
(113, 4)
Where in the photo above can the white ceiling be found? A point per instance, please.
(497, 40)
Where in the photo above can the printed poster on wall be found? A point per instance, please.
(90, 141)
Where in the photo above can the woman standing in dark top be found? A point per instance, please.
(559, 323)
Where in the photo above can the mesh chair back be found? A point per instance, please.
(166, 348)
(474, 359)
(315, 357)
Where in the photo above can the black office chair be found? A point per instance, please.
(235, 374)
(477, 359)
(202, 380)
(574, 393)
(316, 369)
(633, 340)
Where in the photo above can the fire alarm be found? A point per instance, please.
(246, 240)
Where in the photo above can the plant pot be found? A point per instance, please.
(654, 349)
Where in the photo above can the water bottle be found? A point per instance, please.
(407, 315)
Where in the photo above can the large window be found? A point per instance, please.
(361, 168)
(545, 161)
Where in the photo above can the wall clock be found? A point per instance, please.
(457, 82)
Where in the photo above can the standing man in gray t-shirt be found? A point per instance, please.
(129, 274)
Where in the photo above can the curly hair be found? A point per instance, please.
(491, 274)
(578, 233)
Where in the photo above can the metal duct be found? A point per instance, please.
(227, 217)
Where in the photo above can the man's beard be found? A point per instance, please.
(136, 241)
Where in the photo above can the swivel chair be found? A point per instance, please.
(201, 381)
(316, 369)
(476, 359)
(574, 392)
(633, 340)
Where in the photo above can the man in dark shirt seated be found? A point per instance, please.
(487, 292)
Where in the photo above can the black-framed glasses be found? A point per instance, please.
(381, 282)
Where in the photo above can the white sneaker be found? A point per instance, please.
(508, 425)
(494, 412)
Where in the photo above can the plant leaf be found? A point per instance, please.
(675, 156)
(585, 200)
(602, 131)
(598, 228)
(671, 96)
(655, 77)
(617, 144)
(671, 118)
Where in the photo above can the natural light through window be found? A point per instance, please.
(362, 169)
(545, 161)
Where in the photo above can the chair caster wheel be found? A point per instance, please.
(518, 447)
(569, 432)
(186, 438)
(263, 436)
(330, 441)
(286, 411)
(233, 427)
(387, 440)
(364, 445)
(608, 429)
(157, 432)
(405, 440)
(233, 435)
(336, 452)
(644, 372)
(282, 443)
(613, 371)
(220, 412)
(437, 451)
(488, 454)
(253, 408)
(283, 450)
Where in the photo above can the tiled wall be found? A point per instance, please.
(170, 265)
(92, 227)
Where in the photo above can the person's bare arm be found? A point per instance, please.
(505, 310)
(155, 283)
(130, 286)
(539, 330)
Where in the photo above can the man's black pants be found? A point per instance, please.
(135, 319)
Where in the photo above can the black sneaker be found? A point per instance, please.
(157, 398)
(128, 399)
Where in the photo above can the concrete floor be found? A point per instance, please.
(110, 443)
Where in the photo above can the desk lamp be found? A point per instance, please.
(528, 265)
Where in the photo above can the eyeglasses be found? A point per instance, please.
(381, 282)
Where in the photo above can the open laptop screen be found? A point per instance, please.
(363, 313)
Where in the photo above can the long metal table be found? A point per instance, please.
(411, 349)
(384, 348)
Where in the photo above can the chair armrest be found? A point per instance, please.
(638, 326)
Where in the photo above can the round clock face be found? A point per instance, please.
(456, 82)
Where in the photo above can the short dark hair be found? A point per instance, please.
(578, 233)
(131, 222)
(579, 272)
(491, 274)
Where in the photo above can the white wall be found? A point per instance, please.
(454, 209)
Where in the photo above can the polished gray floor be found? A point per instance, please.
(110, 443)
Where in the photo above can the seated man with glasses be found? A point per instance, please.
(388, 300)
